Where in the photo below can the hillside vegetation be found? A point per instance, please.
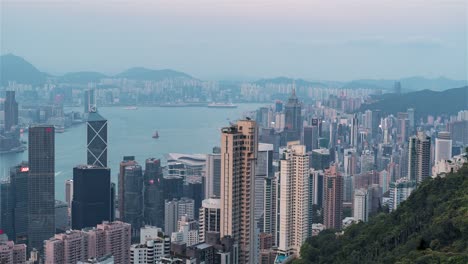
(430, 227)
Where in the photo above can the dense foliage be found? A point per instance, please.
(424, 102)
(430, 227)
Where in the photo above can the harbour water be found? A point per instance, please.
(181, 129)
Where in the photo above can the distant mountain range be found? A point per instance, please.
(15, 68)
(425, 102)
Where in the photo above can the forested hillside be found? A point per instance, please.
(430, 227)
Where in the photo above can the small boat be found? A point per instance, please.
(156, 135)
(131, 108)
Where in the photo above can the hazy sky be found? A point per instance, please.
(214, 39)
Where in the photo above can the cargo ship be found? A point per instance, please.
(222, 105)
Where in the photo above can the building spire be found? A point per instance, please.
(294, 88)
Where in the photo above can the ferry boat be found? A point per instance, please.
(131, 108)
(156, 135)
(222, 105)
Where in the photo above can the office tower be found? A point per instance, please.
(11, 111)
(153, 193)
(362, 201)
(367, 120)
(354, 131)
(91, 203)
(443, 146)
(375, 122)
(11, 253)
(403, 127)
(174, 210)
(262, 117)
(320, 159)
(61, 216)
(69, 247)
(271, 204)
(173, 187)
(316, 181)
(213, 175)
(411, 119)
(350, 161)
(348, 188)
(133, 197)
(311, 136)
(238, 156)
(69, 192)
(209, 219)
(19, 187)
(127, 161)
(293, 118)
(419, 157)
(293, 200)
(278, 106)
(263, 169)
(41, 185)
(77, 246)
(7, 203)
(400, 191)
(193, 188)
(397, 88)
(333, 198)
(97, 140)
(113, 191)
(89, 101)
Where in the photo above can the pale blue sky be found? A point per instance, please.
(214, 39)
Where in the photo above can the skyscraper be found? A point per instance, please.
(174, 209)
(97, 140)
(41, 185)
(263, 169)
(209, 219)
(238, 156)
(11, 110)
(91, 204)
(311, 135)
(69, 192)
(133, 203)
(293, 117)
(294, 200)
(153, 193)
(213, 175)
(419, 157)
(89, 101)
(354, 131)
(7, 204)
(333, 198)
(19, 187)
(443, 146)
(362, 204)
(270, 207)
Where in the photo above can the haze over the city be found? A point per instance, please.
(328, 40)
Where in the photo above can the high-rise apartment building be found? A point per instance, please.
(443, 146)
(293, 200)
(11, 253)
(41, 185)
(153, 246)
(238, 157)
(400, 191)
(91, 204)
(209, 219)
(362, 204)
(419, 157)
(75, 246)
(270, 213)
(96, 140)
(11, 110)
(263, 169)
(332, 198)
